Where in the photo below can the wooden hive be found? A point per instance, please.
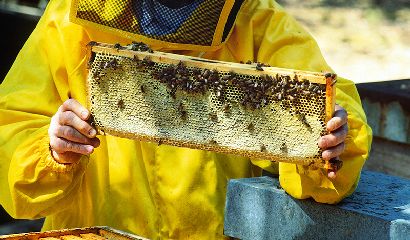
(247, 109)
(90, 233)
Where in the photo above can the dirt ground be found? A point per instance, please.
(362, 42)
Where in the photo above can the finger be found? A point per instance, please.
(333, 152)
(74, 106)
(66, 158)
(71, 134)
(71, 119)
(335, 164)
(339, 119)
(61, 145)
(334, 138)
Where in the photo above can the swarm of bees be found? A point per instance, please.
(257, 93)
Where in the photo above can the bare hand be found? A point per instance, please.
(70, 134)
(333, 144)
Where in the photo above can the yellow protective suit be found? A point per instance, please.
(154, 191)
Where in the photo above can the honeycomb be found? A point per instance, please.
(249, 109)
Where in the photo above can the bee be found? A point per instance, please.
(227, 108)
(173, 93)
(92, 43)
(250, 127)
(143, 48)
(206, 73)
(142, 88)
(284, 148)
(120, 104)
(111, 64)
(117, 46)
(91, 121)
(97, 78)
(333, 82)
(256, 105)
(290, 97)
(213, 117)
(259, 66)
(213, 142)
(182, 112)
(159, 142)
(264, 101)
(91, 60)
(218, 93)
(249, 83)
(302, 118)
(295, 78)
(183, 115)
(330, 75)
(147, 61)
(134, 46)
(263, 148)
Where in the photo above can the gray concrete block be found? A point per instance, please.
(257, 208)
(373, 114)
(400, 229)
(396, 122)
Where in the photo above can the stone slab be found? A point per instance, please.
(396, 124)
(257, 208)
(373, 112)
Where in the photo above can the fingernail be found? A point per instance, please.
(332, 175)
(90, 149)
(84, 114)
(92, 132)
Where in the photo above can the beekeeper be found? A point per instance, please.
(52, 164)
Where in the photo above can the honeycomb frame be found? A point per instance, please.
(252, 109)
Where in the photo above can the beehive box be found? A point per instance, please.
(91, 233)
(248, 109)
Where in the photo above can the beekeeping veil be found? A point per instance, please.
(207, 27)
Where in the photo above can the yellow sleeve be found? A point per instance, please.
(280, 41)
(32, 184)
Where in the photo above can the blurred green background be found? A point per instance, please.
(363, 40)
